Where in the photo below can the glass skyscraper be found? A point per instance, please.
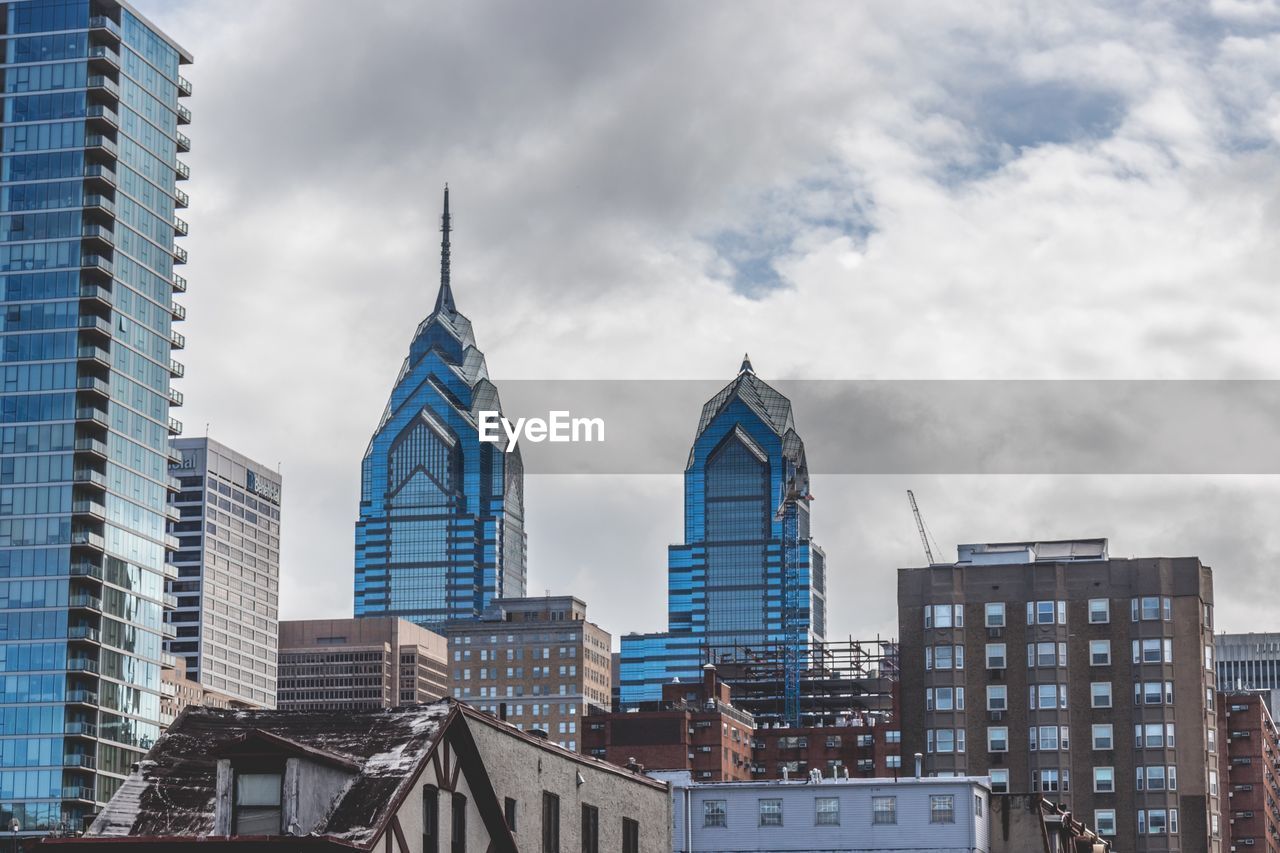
(441, 528)
(725, 584)
(87, 196)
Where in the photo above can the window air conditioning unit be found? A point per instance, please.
(997, 716)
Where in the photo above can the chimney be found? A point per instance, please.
(502, 711)
(709, 683)
(919, 764)
(786, 773)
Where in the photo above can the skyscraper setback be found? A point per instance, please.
(87, 198)
(727, 585)
(441, 528)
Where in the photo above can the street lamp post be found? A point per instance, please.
(15, 828)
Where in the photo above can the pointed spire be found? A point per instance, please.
(746, 365)
(444, 299)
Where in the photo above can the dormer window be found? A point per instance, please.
(257, 808)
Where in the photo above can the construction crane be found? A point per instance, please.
(924, 536)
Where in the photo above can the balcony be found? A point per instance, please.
(99, 204)
(82, 697)
(177, 339)
(177, 312)
(184, 141)
(79, 729)
(79, 759)
(85, 601)
(88, 539)
(93, 385)
(92, 413)
(97, 143)
(179, 255)
(89, 477)
(184, 115)
(183, 170)
(171, 572)
(85, 569)
(180, 227)
(96, 293)
(104, 237)
(175, 458)
(98, 116)
(100, 84)
(179, 283)
(90, 323)
(97, 354)
(176, 369)
(78, 792)
(104, 27)
(100, 172)
(180, 199)
(172, 513)
(86, 633)
(175, 426)
(170, 600)
(82, 665)
(172, 542)
(168, 661)
(101, 55)
(169, 630)
(175, 397)
(184, 87)
(96, 263)
(93, 509)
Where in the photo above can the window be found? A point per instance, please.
(1046, 654)
(944, 616)
(1153, 651)
(430, 819)
(1103, 736)
(884, 810)
(1151, 607)
(939, 699)
(257, 806)
(590, 829)
(1099, 611)
(999, 781)
(458, 832)
(1153, 693)
(1099, 653)
(1213, 783)
(1050, 737)
(630, 835)
(550, 823)
(509, 812)
(997, 697)
(1104, 780)
(1049, 781)
(1104, 821)
(714, 814)
(997, 739)
(1100, 694)
(995, 614)
(977, 806)
(1208, 657)
(771, 812)
(827, 811)
(1158, 822)
(1046, 696)
(1046, 612)
(944, 740)
(942, 808)
(996, 656)
(1153, 735)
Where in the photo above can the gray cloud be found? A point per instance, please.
(876, 191)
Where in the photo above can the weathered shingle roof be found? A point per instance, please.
(172, 793)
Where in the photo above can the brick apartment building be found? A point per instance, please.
(1057, 670)
(1247, 771)
(536, 662)
(694, 728)
(359, 664)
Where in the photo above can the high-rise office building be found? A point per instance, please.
(1059, 671)
(228, 586)
(1250, 662)
(441, 528)
(536, 662)
(88, 190)
(360, 664)
(725, 584)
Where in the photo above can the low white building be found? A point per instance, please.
(938, 815)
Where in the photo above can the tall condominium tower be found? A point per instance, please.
(725, 584)
(87, 196)
(228, 559)
(441, 528)
(1059, 671)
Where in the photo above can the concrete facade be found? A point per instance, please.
(359, 664)
(833, 816)
(1042, 664)
(536, 662)
(1250, 662)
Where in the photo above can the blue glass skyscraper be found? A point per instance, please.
(441, 528)
(727, 584)
(87, 197)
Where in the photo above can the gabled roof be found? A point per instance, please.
(173, 791)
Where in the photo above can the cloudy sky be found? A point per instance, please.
(880, 190)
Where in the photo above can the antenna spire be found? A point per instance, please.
(746, 365)
(444, 300)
